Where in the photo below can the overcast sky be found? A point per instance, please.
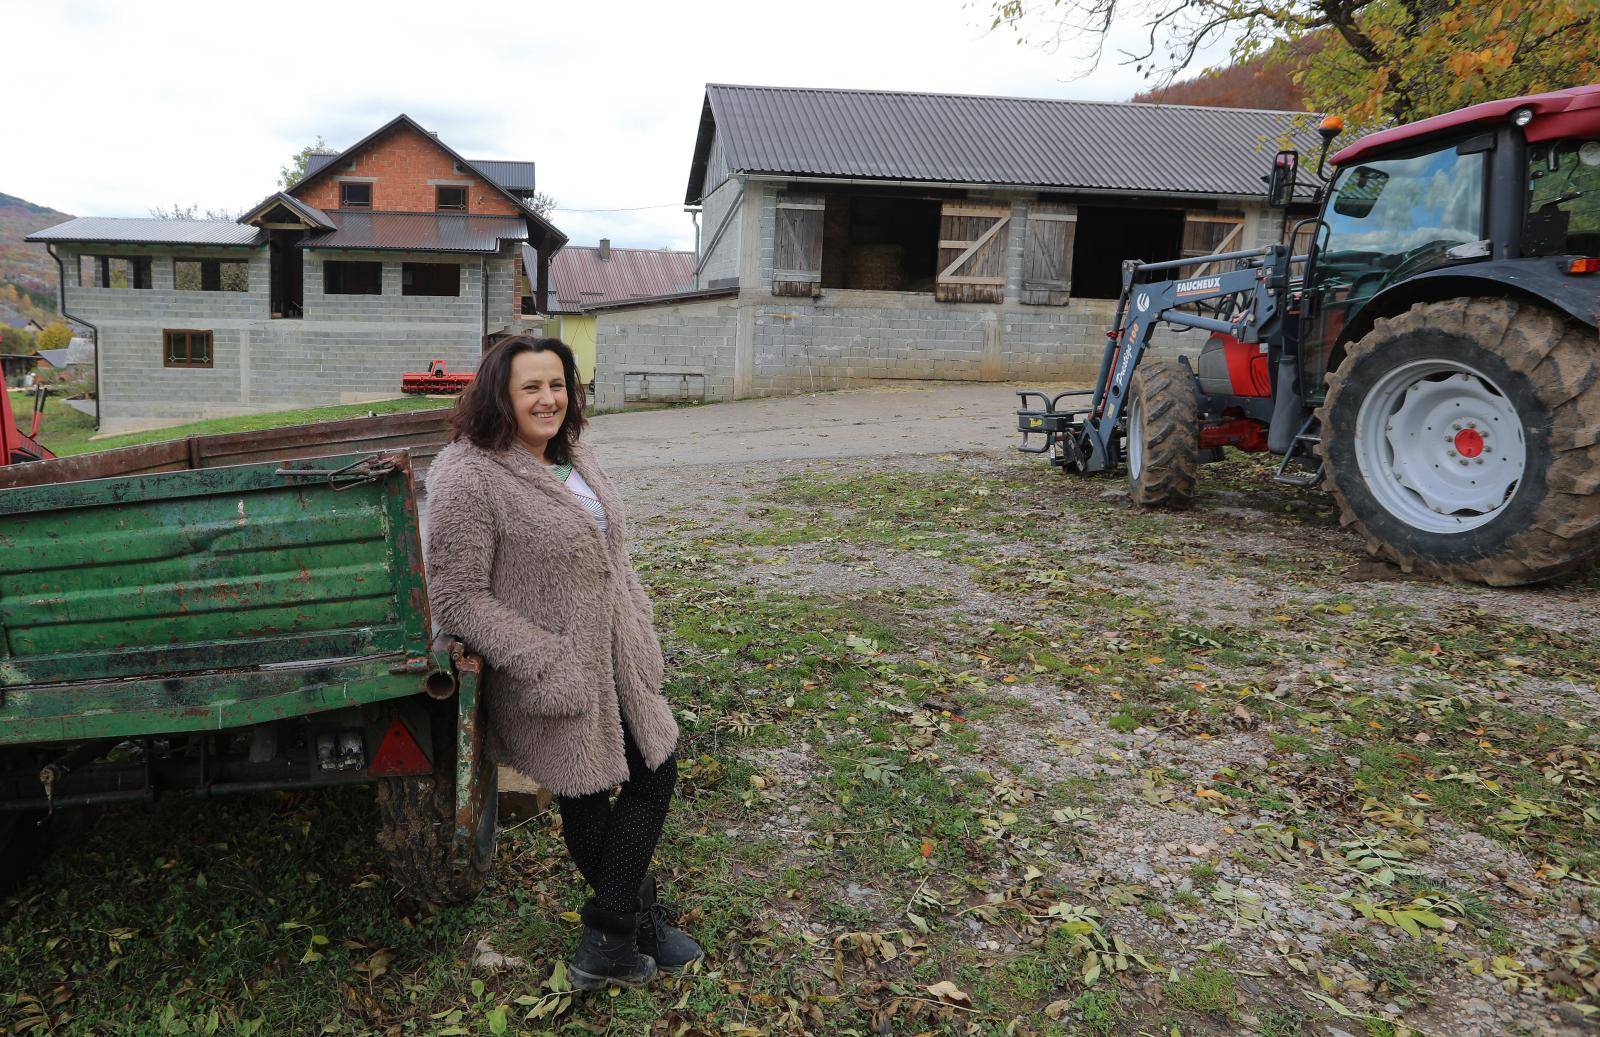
(163, 102)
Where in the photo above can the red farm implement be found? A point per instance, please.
(438, 380)
(15, 448)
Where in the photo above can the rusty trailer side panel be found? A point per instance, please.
(211, 598)
(421, 433)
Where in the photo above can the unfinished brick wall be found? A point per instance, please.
(403, 161)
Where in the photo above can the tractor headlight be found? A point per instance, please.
(1522, 116)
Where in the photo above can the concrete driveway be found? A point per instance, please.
(888, 421)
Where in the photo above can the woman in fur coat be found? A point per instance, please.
(527, 565)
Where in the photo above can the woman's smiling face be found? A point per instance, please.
(538, 397)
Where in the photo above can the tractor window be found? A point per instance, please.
(1387, 220)
(1563, 199)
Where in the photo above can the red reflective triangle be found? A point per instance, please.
(399, 753)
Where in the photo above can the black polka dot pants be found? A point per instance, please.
(612, 844)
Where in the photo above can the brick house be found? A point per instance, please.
(852, 236)
(384, 256)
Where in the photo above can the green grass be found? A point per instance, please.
(66, 431)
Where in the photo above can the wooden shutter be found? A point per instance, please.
(972, 252)
(1047, 260)
(1208, 232)
(797, 246)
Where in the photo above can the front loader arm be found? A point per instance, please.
(1088, 438)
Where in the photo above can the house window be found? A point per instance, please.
(210, 275)
(354, 195)
(121, 271)
(186, 348)
(347, 277)
(450, 199)
(430, 278)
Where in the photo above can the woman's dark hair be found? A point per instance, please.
(484, 416)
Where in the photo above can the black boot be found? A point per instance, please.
(671, 947)
(608, 952)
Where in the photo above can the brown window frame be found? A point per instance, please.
(409, 280)
(190, 337)
(344, 187)
(438, 198)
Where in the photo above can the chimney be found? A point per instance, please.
(605, 250)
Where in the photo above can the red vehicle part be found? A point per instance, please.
(1241, 433)
(1229, 367)
(15, 448)
(437, 381)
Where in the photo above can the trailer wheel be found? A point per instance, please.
(1459, 440)
(418, 818)
(1163, 435)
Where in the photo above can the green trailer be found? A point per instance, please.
(234, 630)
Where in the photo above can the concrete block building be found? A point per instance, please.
(850, 237)
(384, 256)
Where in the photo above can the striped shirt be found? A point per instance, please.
(585, 494)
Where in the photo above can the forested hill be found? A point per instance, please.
(1263, 82)
(26, 268)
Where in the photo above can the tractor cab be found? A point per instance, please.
(1413, 213)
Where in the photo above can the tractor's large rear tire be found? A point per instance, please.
(1460, 438)
(1163, 435)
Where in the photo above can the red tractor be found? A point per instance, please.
(438, 381)
(1431, 359)
(16, 448)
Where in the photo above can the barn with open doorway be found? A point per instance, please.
(851, 236)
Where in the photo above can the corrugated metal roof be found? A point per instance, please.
(117, 230)
(420, 231)
(1025, 142)
(690, 295)
(580, 278)
(511, 175)
(315, 161)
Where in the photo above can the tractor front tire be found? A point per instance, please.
(418, 821)
(1163, 421)
(1460, 439)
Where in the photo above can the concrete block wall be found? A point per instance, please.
(347, 349)
(666, 342)
(721, 260)
(850, 337)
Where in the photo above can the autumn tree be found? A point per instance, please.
(1377, 61)
(294, 170)
(56, 336)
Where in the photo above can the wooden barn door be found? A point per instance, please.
(797, 245)
(1047, 259)
(1208, 232)
(972, 252)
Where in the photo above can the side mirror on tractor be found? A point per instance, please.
(1280, 188)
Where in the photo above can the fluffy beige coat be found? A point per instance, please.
(520, 573)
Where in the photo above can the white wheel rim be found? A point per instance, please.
(1440, 446)
(1135, 437)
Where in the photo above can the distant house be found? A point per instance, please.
(852, 236)
(391, 253)
(76, 360)
(587, 276)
